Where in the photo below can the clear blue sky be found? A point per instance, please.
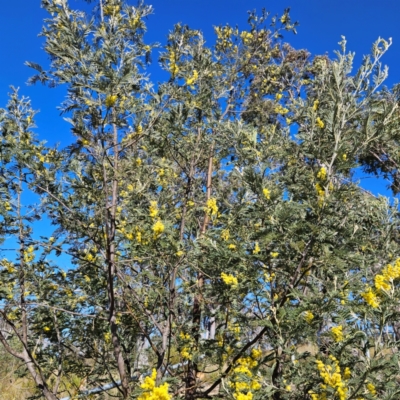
(322, 22)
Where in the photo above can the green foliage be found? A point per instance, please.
(214, 227)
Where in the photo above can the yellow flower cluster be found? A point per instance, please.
(185, 352)
(315, 105)
(389, 274)
(110, 100)
(274, 254)
(267, 193)
(151, 391)
(322, 174)
(337, 333)
(225, 235)
(347, 373)
(111, 9)
(269, 277)
(193, 79)
(224, 34)
(247, 37)
(370, 297)
(158, 229)
(308, 316)
(184, 336)
(29, 255)
(332, 377)
(319, 122)
(281, 110)
(321, 194)
(173, 68)
(229, 279)
(8, 265)
(186, 355)
(153, 209)
(212, 208)
(256, 354)
(242, 381)
(256, 248)
(371, 388)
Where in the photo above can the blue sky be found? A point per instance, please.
(322, 22)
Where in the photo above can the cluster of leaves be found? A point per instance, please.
(213, 225)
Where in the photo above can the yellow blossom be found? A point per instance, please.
(212, 208)
(308, 316)
(186, 354)
(184, 336)
(256, 248)
(381, 283)
(173, 67)
(229, 279)
(46, 329)
(179, 253)
(190, 81)
(274, 254)
(371, 388)
(107, 337)
(158, 228)
(256, 353)
(232, 246)
(281, 110)
(225, 234)
(110, 9)
(153, 209)
(267, 193)
(243, 369)
(347, 373)
(337, 333)
(370, 297)
(322, 174)
(110, 100)
(319, 122)
(268, 277)
(315, 105)
(320, 190)
(242, 396)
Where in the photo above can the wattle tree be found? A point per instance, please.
(220, 245)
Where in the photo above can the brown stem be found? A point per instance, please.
(110, 215)
(192, 372)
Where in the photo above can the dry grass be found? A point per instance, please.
(12, 387)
